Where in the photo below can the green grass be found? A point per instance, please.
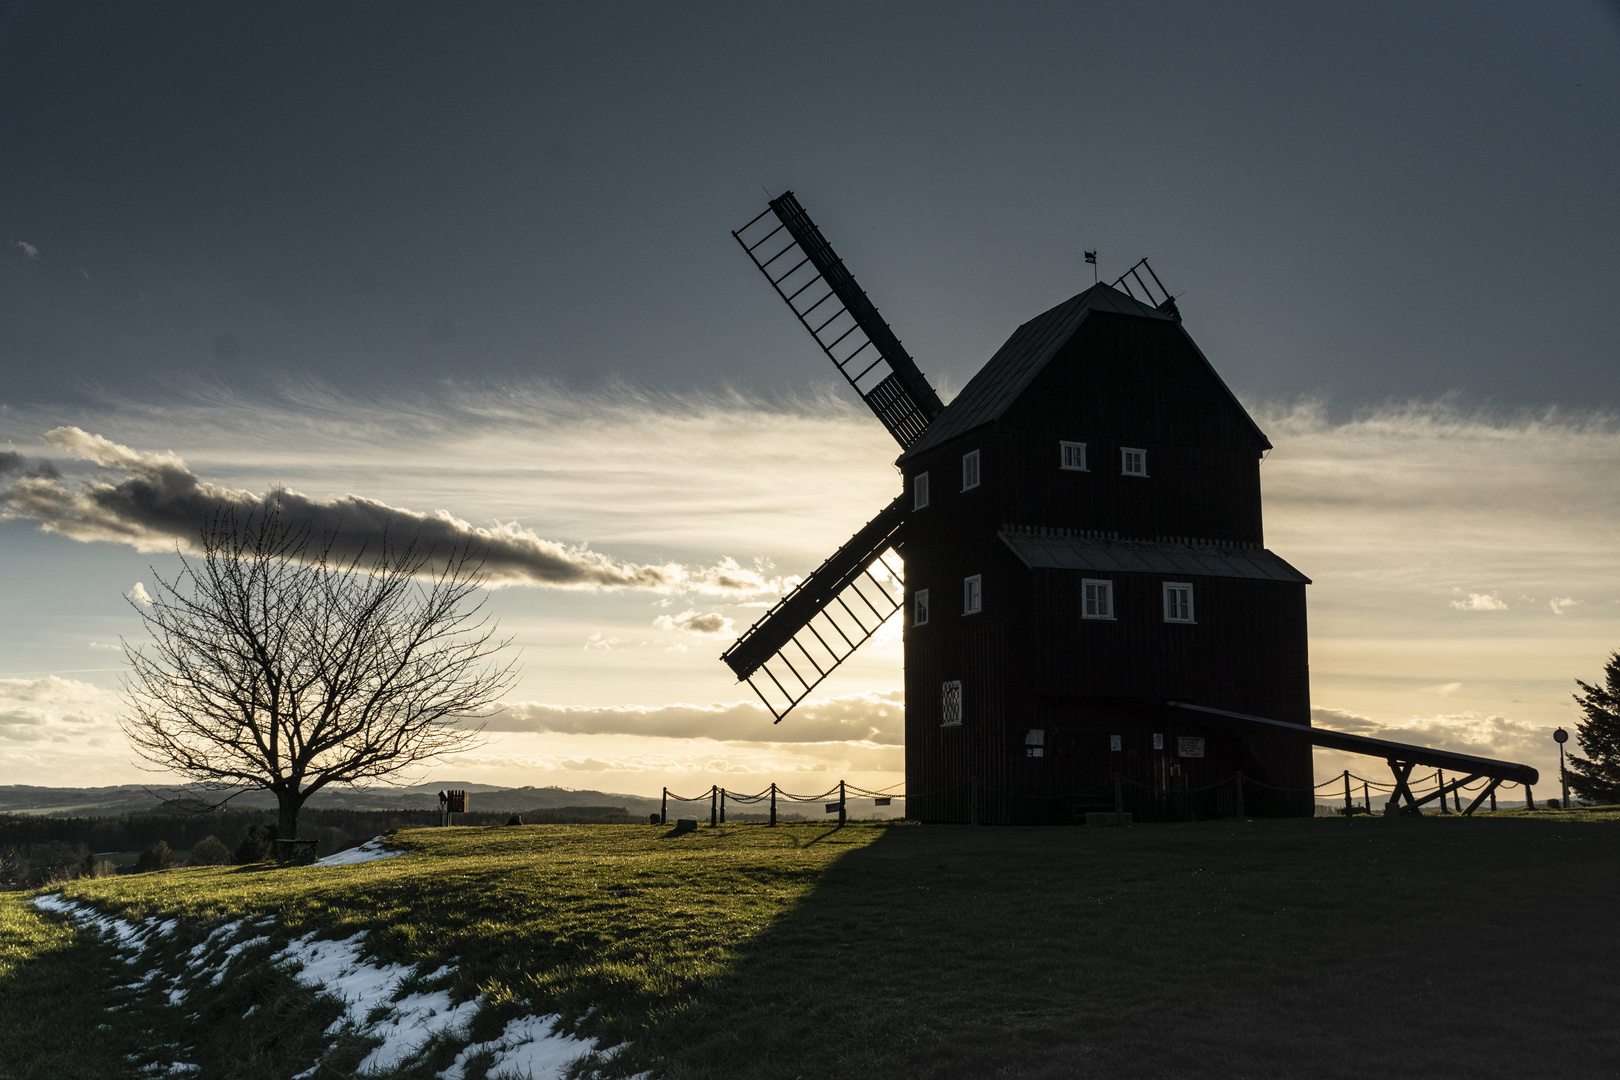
(1314, 947)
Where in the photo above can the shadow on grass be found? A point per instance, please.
(1319, 948)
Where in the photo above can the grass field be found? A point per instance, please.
(1302, 948)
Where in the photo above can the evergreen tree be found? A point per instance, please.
(156, 857)
(209, 851)
(1597, 776)
(258, 845)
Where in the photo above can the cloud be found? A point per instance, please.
(1560, 603)
(140, 595)
(28, 249)
(694, 622)
(597, 641)
(1479, 602)
(10, 461)
(1482, 734)
(877, 718)
(53, 709)
(161, 503)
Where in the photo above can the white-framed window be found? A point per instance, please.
(950, 704)
(973, 594)
(1178, 602)
(919, 608)
(1132, 461)
(1097, 598)
(919, 491)
(970, 470)
(1072, 456)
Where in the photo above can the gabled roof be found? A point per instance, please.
(1064, 549)
(1015, 365)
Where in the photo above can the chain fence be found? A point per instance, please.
(1235, 795)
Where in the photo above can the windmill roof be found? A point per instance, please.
(999, 382)
(1058, 549)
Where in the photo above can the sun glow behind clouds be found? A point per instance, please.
(1464, 564)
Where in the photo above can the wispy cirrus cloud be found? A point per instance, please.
(159, 503)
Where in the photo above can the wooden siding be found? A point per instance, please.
(1029, 661)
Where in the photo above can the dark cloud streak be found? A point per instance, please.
(160, 503)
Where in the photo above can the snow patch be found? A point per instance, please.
(406, 1026)
(529, 1047)
(370, 851)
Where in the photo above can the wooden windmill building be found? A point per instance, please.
(1090, 611)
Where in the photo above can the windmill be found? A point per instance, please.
(817, 626)
(1092, 620)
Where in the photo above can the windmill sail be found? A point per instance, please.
(820, 623)
(805, 272)
(1155, 294)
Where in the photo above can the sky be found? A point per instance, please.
(471, 269)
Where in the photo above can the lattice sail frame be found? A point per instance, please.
(854, 614)
(824, 296)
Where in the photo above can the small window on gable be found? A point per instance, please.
(973, 594)
(1132, 461)
(1098, 599)
(1072, 456)
(1178, 602)
(951, 703)
(970, 470)
(919, 608)
(919, 491)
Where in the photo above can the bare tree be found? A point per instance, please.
(274, 666)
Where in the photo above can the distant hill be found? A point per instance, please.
(168, 799)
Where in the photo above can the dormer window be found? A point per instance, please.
(919, 491)
(1072, 456)
(1132, 461)
(970, 470)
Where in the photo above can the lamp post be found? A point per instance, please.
(1561, 737)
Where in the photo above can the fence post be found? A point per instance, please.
(663, 808)
(1239, 799)
(1119, 801)
(840, 804)
(714, 805)
(1366, 796)
(773, 803)
(1347, 793)
(1440, 778)
(722, 806)
(1529, 799)
(973, 800)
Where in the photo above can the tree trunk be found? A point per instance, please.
(287, 822)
